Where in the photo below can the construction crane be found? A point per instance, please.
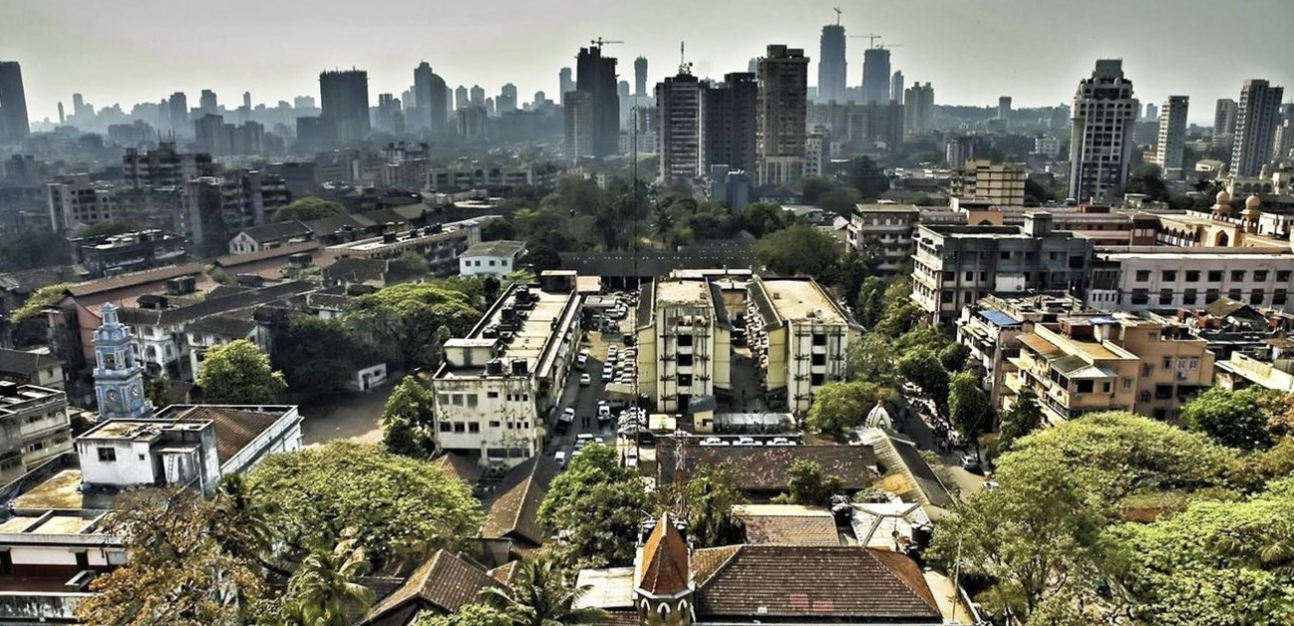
(887, 46)
(870, 37)
(600, 41)
(837, 10)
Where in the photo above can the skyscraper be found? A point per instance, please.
(1224, 117)
(640, 76)
(876, 75)
(1100, 148)
(565, 82)
(577, 108)
(14, 124)
(1172, 136)
(1003, 107)
(832, 66)
(460, 98)
(507, 100)
(477, 96)
(679, 130)
(781, 111)
(178, 110)
(1152, 112)
(896, 87)
(918, 108)
(731, 122)
(596, 75)
(1257, 118)
(343, 98)
(422, 100)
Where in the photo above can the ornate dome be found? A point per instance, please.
(1222, 198)
(1253, 202)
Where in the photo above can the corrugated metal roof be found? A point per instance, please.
(998, 318)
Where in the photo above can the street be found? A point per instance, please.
(910, 424)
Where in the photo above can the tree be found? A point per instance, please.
(901, 314)
(399, 508)
(868, 178)
(39, 300)
(326, 588)
(871, 302)
(316, 355)
(239, 373)
(176, 572)
(968, 406)
(408, 420)
(810, 484)
(711, 494)
(307, 209)
(1231, 418)
(872, 360)
(158, 391)
(840, 200)
(400, 322)
(1024, 418)
(599, 506)
(953, 356)
(761, 219)
(470, 615)
(921, 367)
(840, 406)
(798, 250)
(814, 188)
(409, 266)
(539, 596)
(27, 250)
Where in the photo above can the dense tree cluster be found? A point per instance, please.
(598, 506)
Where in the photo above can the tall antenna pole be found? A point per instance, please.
(837, 10)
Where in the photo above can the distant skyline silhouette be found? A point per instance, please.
(973, 51)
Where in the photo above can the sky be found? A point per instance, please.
(973, 51)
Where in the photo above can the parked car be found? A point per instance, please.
(581, 361)
(970, 462)
(560, 457)
(585, 380)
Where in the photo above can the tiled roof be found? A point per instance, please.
(27, 281)
(445, 583)
(767, 468)
(215, 306)
(515, 513)
(355, 270)
(234, 261)
(22, 363)
(458, 467)
(663, 570)
(819, 583)
(235, 427)
(134, 279)
(276, 231)
(900, 457)
(808, 528)
(1039, 345)
(228, 326)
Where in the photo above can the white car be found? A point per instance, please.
(585, 380)
(581, 361)
(560, 457)
(568, 415)
(604, 410)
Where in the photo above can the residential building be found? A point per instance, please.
(918, 109)
(177, 110)
(1224, 117)
(684, 342)
(1118, 362)
(75, 200)
(640, 76)
(1257, 117)
(876, 75)
(955, 266)
(106, 255)
(14, 123)
(1000, 183)
(34, 427)
(440, 244)
(680, 127)
(240, 197)
(1100, 148)
(491, 258)
(577, 107)
(596, 75)
(1140, 278)
(1046, 146)
(885, 230)
(500, 383)
(343, 99)
(896, 87)
(832, 66)
(31, 368)
(164, 166)
(781, 113)
(269, 236)
(801, 337)
(1172, 136)
(731, 122)
(471, 175)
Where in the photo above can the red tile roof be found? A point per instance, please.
(446, 583)
(135, 279)
(235, 428)
(664, 567)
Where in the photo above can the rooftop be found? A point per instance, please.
(236, 425)
(765, 468)
(500, 248)
(682, 292)
(522, 321)
(62, 492)
(788, 524)
(796, 299)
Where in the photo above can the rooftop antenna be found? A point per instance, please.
(837, 10)
(683, 66)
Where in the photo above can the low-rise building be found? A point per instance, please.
(800, 336)
(34, 427)
(31, 368)
(886, 229)
(501, 383)
(491, 258)
(440, 244)
(268, 236)
(684, 342)
(75, 200)
(1143, 278)
(128, 252)
(1001, 183)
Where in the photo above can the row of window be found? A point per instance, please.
(475, 427)
(1191, 296)
(1214, 276)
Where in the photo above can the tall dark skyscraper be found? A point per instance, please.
(679, 102)
(876, 75)
(782, 111)
(596, 75)
(1100, 145)
(640, 76)
(832, 66)
(422, 76)
(343, 98)
(565, 82)
(14, 123)
(1257, 118)
(731, 121)
(178, 110)
(460, 98)
(208, 103)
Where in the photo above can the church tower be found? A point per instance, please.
(663, 589)
(118, 374)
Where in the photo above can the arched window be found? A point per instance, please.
(663, 609)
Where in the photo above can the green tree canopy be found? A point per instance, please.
(308, 208)
(921, 367)
(316, 355)
(711, 494)
(968, 405)
(470, 615)
(810, 484)
(761, 219)
(1231, 418)
(600, 505)
(326, 588)
(408, 421)
(400, 509)
(871, 302)
(840, 406)
(840, 200)
(538, 595)
(798, 250)
(41, 299)
(401, 321)
(867, 177)
(239, 373)
(24, 251)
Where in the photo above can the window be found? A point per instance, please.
(1235, 294)
(491, 262)
(1127, 384)
(684, 360)
(1147, 369)
(494, 423)
(1215, 276)
(456, 399)
(107, 455)
(1140, 296)
(819, 339)
(1143, 276)
(1165, 296)
(1256, 296)
(473, 427)
(1168, 362)
(1260, 276)
(817, 380)
(460, 427)
(1190, 297)
(1145, 396)
(471, 399)
(1279, 297)
(1237, 276)
(1083, 386)
(819, 359)
(685, 341)
(684, 380)
(1105, 387)
(1211, 295)
(1282, 276)
(1192, 276)
(492, 394)
(446, 427)
(1170, 275)
(970, 276)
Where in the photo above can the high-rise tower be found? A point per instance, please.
(782, 109)
(680, 133)
(14, 124)
(832, 66)
(343, 98)
(1172, 136)
(640, 76)
(1257, 117)
(422, 100)
(731, 122)
(565, 80)
(596, 75)
(1100, 148)
(896, 87)
(876, 75)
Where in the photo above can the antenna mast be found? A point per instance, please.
(837, 10)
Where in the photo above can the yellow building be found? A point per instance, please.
(684, 342)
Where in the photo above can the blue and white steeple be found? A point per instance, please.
(118, 372)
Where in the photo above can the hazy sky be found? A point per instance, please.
(124, 51)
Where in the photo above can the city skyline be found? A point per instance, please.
(527, 44)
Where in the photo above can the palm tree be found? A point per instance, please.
(539, 596)
(324, 591)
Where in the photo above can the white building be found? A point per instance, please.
(800, 336)
(34, 427)
(501, 382)
(684, 342)
(491, 258)
(75, 200)
(1100, 144)
(1143, 277)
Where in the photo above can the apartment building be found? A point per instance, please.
(441, 244)
(800, 337)
(1140, 278)
(1117, 362)
(491, 258)
(75, 200)
(886, 228)
(955, 266)
(128, 252)
(501, 383)
(34, 427)
(1001, 183)
(684, 342)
